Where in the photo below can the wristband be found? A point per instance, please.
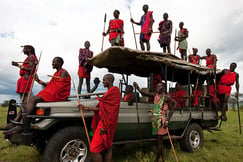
(166, 121)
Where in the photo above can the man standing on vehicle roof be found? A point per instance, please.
(228, 78)
(58, 89)
(115, 30)
(211, 59)
(194, 58)
(179, 96)
(84, 67)
(146, 23)
(181, 38)
(105, 120)
(165, 28)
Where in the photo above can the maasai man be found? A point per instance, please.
(194, 58)
(228, 78)
(162, 102)
(129, 93)
(58, 89)
(26, 71)
(115, 30)
(181, 38)
(211, 59)
(179, 96)
(146, 23)
(84, 67)
(105, 120)
(165, 28)
(195, 96)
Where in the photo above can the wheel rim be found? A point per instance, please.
(194, 139)
(74, 151)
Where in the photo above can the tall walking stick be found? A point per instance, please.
(139, 126)
(102, 33)
(134, 34)
(175, 43)
(81, 111)
(172, 145)
(238, 113)
(33, 80)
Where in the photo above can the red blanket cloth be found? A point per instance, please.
(24, 82)
(109, 106)
(225, 83)
(146, 26)
(177, 96)
(196, 97)
(210, 61)
(193, 59)
(58, 89)
(128, 97)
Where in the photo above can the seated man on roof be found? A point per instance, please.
(179, 96)
(58, 89)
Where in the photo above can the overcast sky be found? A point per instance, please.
(60, 28)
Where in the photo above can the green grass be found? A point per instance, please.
(223, 146)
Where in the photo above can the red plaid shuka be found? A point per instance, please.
(225, 83)
(146, 26)
(109, 106)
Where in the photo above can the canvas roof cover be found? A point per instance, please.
(143, 63)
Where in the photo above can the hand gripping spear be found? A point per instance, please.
(102, 33)
(81, 111)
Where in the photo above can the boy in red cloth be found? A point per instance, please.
(84, 68)
(58, 89)
(179, 96)
(129, 93)
(105, 120)
(115, 30)
(211, 59)
(146, 31)
(194, 58)
(228, 78)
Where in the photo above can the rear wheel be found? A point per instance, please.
(69, 144)
(193, 138)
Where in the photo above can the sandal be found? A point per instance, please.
(14, 130)
(7, 126)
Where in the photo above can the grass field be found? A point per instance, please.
(223, 146)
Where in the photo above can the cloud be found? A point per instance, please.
(60, 28)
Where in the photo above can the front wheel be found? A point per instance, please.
(193, 138)
(70, 144)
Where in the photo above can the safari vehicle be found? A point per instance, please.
(57, 129)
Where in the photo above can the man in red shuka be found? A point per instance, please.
(228, 78)
(105, 120)
(115, 30)
(84, 68)
(26, 71)
(211, 59)
(194, 58)
(146, 23)
(179, 96)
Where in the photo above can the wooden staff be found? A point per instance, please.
(58, 77)
(148, 33)
(102, 33)
(238, 112)
(175, 43)
(134, 34)
(81, 111)
(139, 126)
(33, 80)
(172, 146)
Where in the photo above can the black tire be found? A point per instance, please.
(69, 144)
(193, 139)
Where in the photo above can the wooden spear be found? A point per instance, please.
(81, 111)
(134, 34)
(102, 33)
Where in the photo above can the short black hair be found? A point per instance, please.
(60, 60)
